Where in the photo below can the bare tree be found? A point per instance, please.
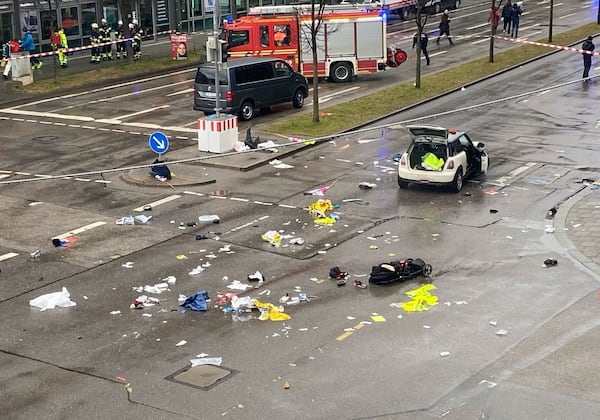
(421, 21)
(493, 10)
(311, 32)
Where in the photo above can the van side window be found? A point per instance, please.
(282, 69)
(237, 38)
(206, 76)
(264, 36)
(253, 73)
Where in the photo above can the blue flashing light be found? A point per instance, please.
(384, 15)
(229, 19)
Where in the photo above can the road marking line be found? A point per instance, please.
(220, 197)
(502, 180)
(194, 193)
(566, 16)
(287, 206)
(79, 230)
(102, 181)
(159, 202)
(181, 92)
(245, 200)
(344, 336)
(83, 179)
(7, 256)
(22, 173)
(4, 176)
(262, 203)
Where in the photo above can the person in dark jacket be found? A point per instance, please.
(587, 45)
(516, 19)
(445, 28)
(424, 42)
(507, 17)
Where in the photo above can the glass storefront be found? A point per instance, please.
(156, 17)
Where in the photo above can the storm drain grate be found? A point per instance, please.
(202, 377)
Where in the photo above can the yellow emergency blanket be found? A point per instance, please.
(421, 299)
(432, 162)
(270, 311)
(273, 237)
(320, 208)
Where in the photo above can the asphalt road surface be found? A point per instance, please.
(345, 353)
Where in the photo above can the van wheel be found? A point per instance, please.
(298, 101)
(341, 72)
(246, 111)
(207, 113)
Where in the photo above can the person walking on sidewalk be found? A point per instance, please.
(28, 45)
(507, 17)
(445, 28)
(494, 18)
(587, 45)
(516, 19)
(424, 42)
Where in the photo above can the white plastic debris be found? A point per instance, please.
(127, 220)
(115, 312)
(209, 218)
(444, 354)
(142, 218)
(207, 361)
(196, 271)
(493, 323)
(238, 285)
(181, 343)
(501, 332)
(170, 280)
(128, 264)
(256, 277)
(157, 288)
(52, 300)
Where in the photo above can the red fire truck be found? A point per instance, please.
(350, 41)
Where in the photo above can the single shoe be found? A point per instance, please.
(341, 282)
(359, 284)
(256, 277)
(549, 262)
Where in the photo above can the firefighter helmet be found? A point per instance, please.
(120, 22)
(131, 26)
(103, 21)
(94, 25)
(135, 21)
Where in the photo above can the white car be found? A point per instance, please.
(440, 156)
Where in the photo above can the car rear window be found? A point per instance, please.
(206, 76)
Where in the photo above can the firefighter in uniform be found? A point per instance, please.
(62, 47)
(105, 30)
(95, 40)
(121, 46)
(137, 39)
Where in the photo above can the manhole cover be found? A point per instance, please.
(201, 377)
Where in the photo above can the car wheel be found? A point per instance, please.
(341, 72)
(402, 183)
(298, 101)
(246, 111)
(457, 184)
(427, 269)
(207, 113)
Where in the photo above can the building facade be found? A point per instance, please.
(156, 17)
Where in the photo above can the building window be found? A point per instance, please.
(88, 16)
(70, 20)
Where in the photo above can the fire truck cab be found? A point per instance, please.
(349, 42)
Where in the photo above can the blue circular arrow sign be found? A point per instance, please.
(159, 143)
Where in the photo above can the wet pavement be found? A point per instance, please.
(576, 223)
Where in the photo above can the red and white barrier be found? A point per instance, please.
(217, 135)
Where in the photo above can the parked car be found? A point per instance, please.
(248, 84)
(437, 6)
(440, 156)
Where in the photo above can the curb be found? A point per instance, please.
(560, 229)
(153, 183)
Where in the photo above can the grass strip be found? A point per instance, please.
(343, 116)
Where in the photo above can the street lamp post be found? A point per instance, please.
(218, 56)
